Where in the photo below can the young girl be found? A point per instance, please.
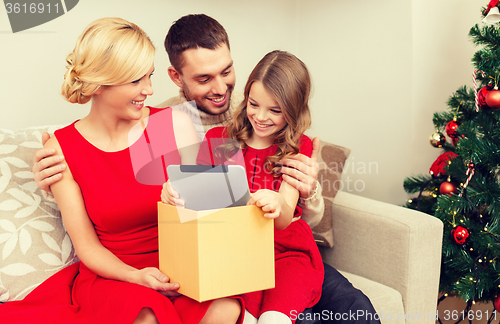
(269, 126)
(111, 217)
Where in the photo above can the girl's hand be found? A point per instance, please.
(155, 279)
(270, 202)
(170, 196)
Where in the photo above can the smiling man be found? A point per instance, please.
(202, 68)
(210, 87)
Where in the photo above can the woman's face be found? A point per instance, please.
(264, 113)
(127, 99)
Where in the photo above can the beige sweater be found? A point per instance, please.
(202, 120)
(312, 208)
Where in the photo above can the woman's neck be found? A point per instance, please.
(107, 132)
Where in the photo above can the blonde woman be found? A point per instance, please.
(111, 217)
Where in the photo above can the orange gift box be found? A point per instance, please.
(217, 253)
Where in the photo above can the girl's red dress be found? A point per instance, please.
(299, 271)
(124, 213)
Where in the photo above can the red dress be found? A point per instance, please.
(124, 213)
(299, 271)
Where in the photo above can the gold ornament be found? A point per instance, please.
(437, 139)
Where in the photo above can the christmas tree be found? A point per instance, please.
(462, 188)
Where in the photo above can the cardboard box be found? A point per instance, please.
(218, 253)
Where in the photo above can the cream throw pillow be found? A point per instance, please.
(33, 242)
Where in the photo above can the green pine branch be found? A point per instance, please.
(486, 35)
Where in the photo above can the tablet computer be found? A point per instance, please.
(204, 187)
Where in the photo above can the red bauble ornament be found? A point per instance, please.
(451, 131)
(460, 235)
(481, 96)
(496, 303)
(447, 188)
(493, 98)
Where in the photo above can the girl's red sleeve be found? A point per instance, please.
(306, 146)
(212, 139)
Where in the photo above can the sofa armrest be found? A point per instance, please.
(389, 244)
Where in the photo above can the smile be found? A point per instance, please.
(219, 101)
(137, 103)
(263, 125)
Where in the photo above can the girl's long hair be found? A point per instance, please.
(287, 80)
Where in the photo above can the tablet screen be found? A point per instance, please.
(204, 187)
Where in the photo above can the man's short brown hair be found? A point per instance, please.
(190, 32)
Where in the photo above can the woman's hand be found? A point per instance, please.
(170, 196)
(155, 279)
(270, 201)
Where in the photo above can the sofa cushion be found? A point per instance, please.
(331, 160)
(387, 301)
(33, 242)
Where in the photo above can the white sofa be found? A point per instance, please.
(390, 253)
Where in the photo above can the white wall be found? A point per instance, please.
(380, 69)
(360, 56)
(32, 62)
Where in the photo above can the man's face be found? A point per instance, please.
(208, 78)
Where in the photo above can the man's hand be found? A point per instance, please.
(47, 168)
(301, 172)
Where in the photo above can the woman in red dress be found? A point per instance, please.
(110, 216)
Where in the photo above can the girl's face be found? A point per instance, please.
(127, 100)
(264, 114)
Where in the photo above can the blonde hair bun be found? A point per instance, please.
(110, 51)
